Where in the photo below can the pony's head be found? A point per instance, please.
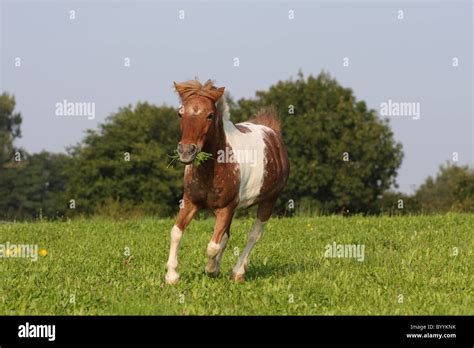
(198, 114)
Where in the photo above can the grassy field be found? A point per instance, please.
(412, 265)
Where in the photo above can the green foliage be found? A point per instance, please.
(34, 187)
(396, 203)
(327, 123)
(451, 190)
(103, 178)
(200, 157)
(9, 127)
(409, 255)
(30, 185)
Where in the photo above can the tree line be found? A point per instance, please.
(343, 158)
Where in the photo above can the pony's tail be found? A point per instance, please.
(268, 117)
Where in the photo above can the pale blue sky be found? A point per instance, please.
(406, 60)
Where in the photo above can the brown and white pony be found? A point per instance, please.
(249, 166)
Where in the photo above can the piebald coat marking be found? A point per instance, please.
(251, 175)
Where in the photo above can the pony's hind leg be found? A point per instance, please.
(263, 215)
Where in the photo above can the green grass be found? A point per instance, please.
(412, 256)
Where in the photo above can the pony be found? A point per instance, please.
(249, 166)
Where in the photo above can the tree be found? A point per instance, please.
(9, 127)
(10, 123)
(451, 190)
(121, 169)
(397, 203)
(342, 155)
(34, 188)
(30, 185)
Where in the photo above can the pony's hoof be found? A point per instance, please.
(238, 278)
(172, 281)
(213, 274)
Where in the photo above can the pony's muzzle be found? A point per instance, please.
(187, 152)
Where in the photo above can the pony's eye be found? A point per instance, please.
(210, 116)
(179, 113)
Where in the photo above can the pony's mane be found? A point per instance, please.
(191, 88)
(223, 108)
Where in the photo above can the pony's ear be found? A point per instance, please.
(178, 89)
(218, 93)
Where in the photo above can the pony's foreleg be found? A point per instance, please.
(220, 237)
(185, 216)
(214, 260)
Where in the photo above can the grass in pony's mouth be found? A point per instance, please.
(200, 158)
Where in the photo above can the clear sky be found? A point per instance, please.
(403, 60)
